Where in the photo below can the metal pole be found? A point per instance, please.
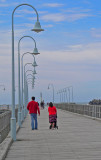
(21, 106)
(69, 94)
(19, 91)
(13, 119)
(53, 90)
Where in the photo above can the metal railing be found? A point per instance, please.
(89, 110)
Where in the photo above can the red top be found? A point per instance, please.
(33, 107)
(52, 110)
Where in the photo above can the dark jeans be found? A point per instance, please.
(33, 120)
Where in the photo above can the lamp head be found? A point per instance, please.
(37, 27)
(35, 52)
(32, 86)
(34, 64)
(34, 72)
(34, 76)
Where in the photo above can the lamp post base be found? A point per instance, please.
(22, 114)
(19, 119)
(13, 128)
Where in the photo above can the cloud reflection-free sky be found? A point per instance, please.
(70, 47)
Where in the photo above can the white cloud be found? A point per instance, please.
(1, 21)
(48, 26)
(77, 10)
(25, 11)
(55, 17)
(76, 53)
(53, 5)
(4, 5)
(8, 4)
(95, 32)
(75, 47)
(71, 14)
(2, 0)
(74, 17)
(30, 11)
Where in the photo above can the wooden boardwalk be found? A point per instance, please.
(78, 138)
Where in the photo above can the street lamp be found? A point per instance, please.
(33, 79)
(26, 90)
(53, 90)
(20, 98)
(59, 92)
(70, 89)
(34, 65)
(37, 28)
(34, 72)
(64, 90)
(72, 92)
(25, 83)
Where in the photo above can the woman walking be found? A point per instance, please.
(52, 115)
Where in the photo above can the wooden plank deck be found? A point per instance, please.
(78, 138)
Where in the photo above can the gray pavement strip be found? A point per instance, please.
(5, 145)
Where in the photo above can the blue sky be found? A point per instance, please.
(70, 47)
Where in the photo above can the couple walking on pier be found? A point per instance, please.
(33, 108)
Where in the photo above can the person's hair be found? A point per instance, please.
(51, 104)
(33, 98)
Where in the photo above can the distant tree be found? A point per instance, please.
(95, 102)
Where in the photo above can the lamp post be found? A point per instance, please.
(61, 91)
(53, 90)
(20, 97)
(72, 92)
(69, 93)
(25, 82)
(31, 81)
(34, 64)
(60, 95)
(64, 90)
(37, 28)
(70, 87)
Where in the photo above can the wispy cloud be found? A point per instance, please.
(25, 11)
(48, 26)
(76, 47)
(74, 17)
(76, 10)
(96, 33)
(78, 53)
(4, 5)
(53, 5)
(70, 15)
(55, 17)
(86, 2)
(2, 0)
(30, 11)
(8, 4)
(1, 22)
(59, 17)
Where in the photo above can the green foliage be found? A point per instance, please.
(95, 102)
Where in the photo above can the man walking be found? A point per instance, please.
(33, 108)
